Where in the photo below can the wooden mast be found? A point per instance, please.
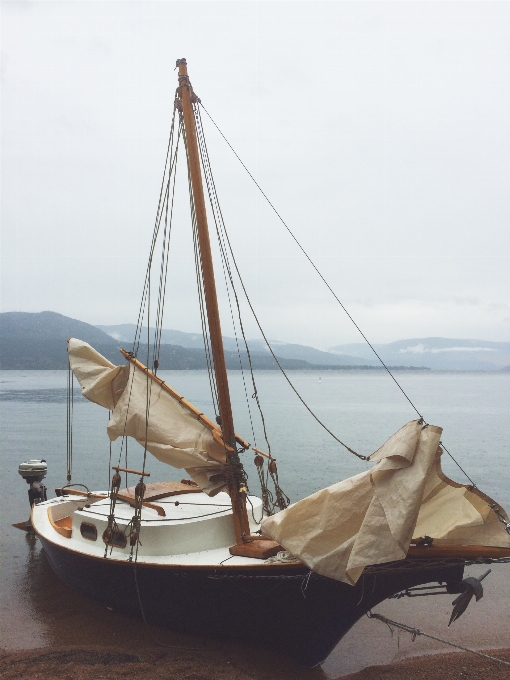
(238, 498)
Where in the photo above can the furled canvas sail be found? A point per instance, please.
(371, 518)
(172, 433)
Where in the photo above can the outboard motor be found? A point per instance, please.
(33, 472)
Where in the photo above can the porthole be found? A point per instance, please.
(88, 531)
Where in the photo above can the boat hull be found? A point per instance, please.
(286, 606)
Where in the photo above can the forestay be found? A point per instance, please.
(372, 518)
(143, 409)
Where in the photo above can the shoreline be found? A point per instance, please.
(93, 662)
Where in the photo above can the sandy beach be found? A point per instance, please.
(91, 663)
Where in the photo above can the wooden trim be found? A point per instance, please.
(127, 499)
(133, 472)
(261, 550)
(262, 453)
(158, 490)
(63, 531)
(467, 552)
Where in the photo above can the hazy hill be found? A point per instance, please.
(126, 333)
(39, 341)
(436, 353)
(312, 355)
(51, 326)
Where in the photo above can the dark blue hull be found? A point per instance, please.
(289, 608)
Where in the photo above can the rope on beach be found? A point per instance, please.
(414, 632)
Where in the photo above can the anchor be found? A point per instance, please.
(472, 586)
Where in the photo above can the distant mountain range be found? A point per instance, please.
(443, 354)
(38, 341)
(440, 354)
(126, 332)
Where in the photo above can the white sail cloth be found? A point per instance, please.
(371, 518)
(172, 433)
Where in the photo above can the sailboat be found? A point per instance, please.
(206, 556)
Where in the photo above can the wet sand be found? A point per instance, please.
(113, 664)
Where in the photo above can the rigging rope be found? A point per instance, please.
(112, 527)
(458, 465)
(69, 427)
(312, 263)
(164, 213)
(227, 239)
(216, 212)
(200, 288)
(221, 233)
(168, 171)
(414, 632)
(358, 455)
(164, 261)
(227, 274)
(334, 295)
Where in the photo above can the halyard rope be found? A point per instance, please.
(227, 274)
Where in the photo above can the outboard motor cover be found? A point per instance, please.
(33, 472)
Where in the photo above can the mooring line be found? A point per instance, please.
(414, 632)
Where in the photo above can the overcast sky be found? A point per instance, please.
(380, 131)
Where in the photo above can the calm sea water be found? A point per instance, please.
(363, 408)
